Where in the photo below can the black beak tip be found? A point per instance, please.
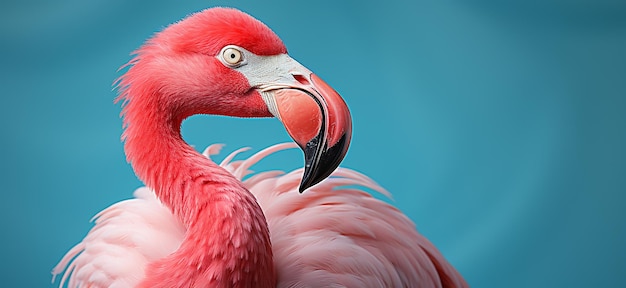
(321, 162)
(302, 188)
(311, 175)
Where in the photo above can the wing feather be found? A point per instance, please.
(336, 235)
(126, 236)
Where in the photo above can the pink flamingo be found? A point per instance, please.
(201, 226)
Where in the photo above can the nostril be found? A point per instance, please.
(301, 79)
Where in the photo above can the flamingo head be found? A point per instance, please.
(222, 61)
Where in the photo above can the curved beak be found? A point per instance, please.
(315, 116)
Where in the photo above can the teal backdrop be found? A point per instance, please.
(499, 126)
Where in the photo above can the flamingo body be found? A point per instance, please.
(199, 224)
(330, 235)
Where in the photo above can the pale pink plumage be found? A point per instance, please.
(331, 234)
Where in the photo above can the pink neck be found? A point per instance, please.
(226, 230)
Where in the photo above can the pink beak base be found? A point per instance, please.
(339, 120)
(300, 114)
(318, 119)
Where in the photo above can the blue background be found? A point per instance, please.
(498, 126)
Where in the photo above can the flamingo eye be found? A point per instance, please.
(232, 56)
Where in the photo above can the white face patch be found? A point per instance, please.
(265, 73)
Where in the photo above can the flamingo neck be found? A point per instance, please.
(227, 241)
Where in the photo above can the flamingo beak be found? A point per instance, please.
(315, 116)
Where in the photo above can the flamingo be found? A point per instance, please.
(199, 224)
